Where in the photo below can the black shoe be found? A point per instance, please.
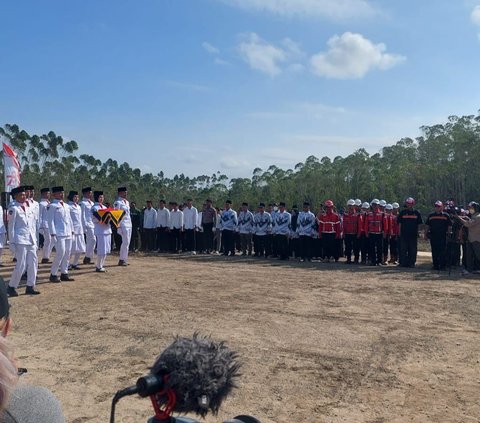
(65, 278)
(87, 260)
(12, 292)
(14, 260)
(54, 279)
(102, 270)
(75, 267)
(122, 263)
(31, 291)
(45, 261)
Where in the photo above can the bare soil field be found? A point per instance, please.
(319, 342)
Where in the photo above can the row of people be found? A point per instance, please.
(73, 228)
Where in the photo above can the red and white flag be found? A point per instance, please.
(12, 168)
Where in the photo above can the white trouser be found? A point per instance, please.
(47, 243)
(104, 245)
(26, 256)
(78, 248)
(91, 241)
(63, 245)
(126, 234)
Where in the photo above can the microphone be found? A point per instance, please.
(192, 375)
(200, 372)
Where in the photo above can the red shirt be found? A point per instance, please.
(329, 223)
(350, 223)
(376, 222)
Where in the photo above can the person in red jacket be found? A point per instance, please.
(350, 233)
(362, 235)
(329, 230)
(376, 228)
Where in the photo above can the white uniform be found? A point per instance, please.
(61, 230)
(23, 237)
(43, 229)
(3, 231)
(88, 226)
(125, 228)
(103, 233)
(78, 239)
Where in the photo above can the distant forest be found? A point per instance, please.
(443, 162)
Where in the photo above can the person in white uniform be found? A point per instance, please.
(78, 238)
(43, 225)
(61, 231)
(87, 223)
(103, 232)
(125, 228)
(22, 235)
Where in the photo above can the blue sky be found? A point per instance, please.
(196, 86)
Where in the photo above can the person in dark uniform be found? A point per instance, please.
(408, 221)
(438, 226)
(136, 216)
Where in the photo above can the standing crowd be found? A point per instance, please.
(375, 233)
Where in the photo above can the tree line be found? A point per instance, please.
(443, 162)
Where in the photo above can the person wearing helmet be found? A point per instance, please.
(386, 239)
(473, 241)
(438, 226)
(329, 230)
(362, 234)
(408, 221)
(350, 232)
(358, 204)
(376, 227)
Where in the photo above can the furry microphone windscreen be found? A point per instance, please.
(200, 371)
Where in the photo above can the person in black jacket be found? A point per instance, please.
(439, 226)
(408, 221)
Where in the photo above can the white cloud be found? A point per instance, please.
(351, 56)
(221, 62)
(330, 9)
(261, 55)
(210, 48)
(475, 15)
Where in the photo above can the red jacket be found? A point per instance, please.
(350, 223)
(393, 225)
(329, 223)
(376, 222)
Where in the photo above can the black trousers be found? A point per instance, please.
(208, 237)
(408, 250)
(330, 246)
(376, 248)
(269, 248)
(393, 248)
(364, 247)
(189, 240)
(163, 244)
(281, 246)
(259, 245)
(352, 244)
(175, 240)
(135, 241)
(306, 247)
(149, 239)
(439, 251)
(228, 239)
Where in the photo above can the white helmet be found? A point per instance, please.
(365, 205)
(350, 202)
(388, 207)
(375, 201)
(383, 203)
(358, 202)
(395, 205)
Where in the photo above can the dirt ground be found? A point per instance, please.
(318, 342)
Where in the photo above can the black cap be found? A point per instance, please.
(209, 201)
(44, 190)
(57, 189)
(245, 204)
(294, 206)
(122, 189)
(28, 187)
(306, 203)
(281, 204)
(86, 189)
(261, 205)
(17, 190)
(4, 305)
(97, 194)
(228, 202)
